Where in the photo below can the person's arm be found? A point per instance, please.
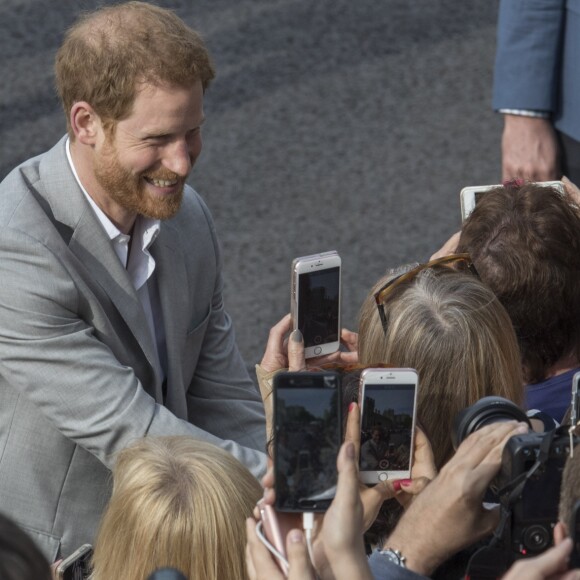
(452, 503)
(526, 78)
(52, 356)
(551, 565)
(529, 149)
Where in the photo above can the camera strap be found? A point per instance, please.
(515, 487)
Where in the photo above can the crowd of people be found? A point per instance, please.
(128, 420)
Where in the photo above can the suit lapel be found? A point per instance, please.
(90, 243)
(173, 295)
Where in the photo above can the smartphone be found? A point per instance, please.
(307, 438)
(315, 302)
(469, 196)
(388, 402)
(575, 404)
(273, 532)
(77, 566)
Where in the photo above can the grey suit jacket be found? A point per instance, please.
(77, 378)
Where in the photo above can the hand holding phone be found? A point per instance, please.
(307, 437)
(388, 401)
(77, 566)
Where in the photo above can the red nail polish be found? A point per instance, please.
(397, 485)
(404, 482)
(351, 406)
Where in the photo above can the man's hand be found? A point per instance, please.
(551, 565)
(529, 149)
(451, 504)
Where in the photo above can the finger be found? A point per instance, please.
(259, 558)
(487, 522)
(349, 339)
(423, 458)
(414, 486)
(555, 559)
(296, 360)
(488, 467)
(269, 496)
(347, 494)
(298, 558)
(476, 447)
(572, 190)
(268, 479)
(550, 563)
(274, 347)
(352, 432)
(347, 358)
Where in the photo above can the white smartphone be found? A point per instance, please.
(575, 404)
(469, 196)
(388, 402)
(77, 566)
(315, 303)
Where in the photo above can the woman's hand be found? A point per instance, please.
(285, 350)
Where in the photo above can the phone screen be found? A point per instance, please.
(78, 568)
(387, 427)
(478, 195)
(318, 306)
(307, 440)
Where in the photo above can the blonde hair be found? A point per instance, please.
(108, 53)
(177, 502)
(452, 329)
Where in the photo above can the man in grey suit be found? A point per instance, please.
(112, 325)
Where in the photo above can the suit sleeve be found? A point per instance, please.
(50, 355)
(528, 56)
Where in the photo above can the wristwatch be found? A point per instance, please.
(394, 556)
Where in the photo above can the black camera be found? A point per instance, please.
(527, 486)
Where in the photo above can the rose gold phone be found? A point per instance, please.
(272, 532)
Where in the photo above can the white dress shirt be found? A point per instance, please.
(140, 266)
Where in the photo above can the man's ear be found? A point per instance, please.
(560, 532)
(85, 123)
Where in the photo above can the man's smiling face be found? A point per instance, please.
(142, 163)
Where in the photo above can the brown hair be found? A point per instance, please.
(106, 54)
(525, 242)
(450, 328)
(177, 502)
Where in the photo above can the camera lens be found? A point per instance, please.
(536, 538)
(486, 411)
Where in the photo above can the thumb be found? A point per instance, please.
(296, 360)
(298, 558)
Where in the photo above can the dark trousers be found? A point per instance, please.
(570, 157)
